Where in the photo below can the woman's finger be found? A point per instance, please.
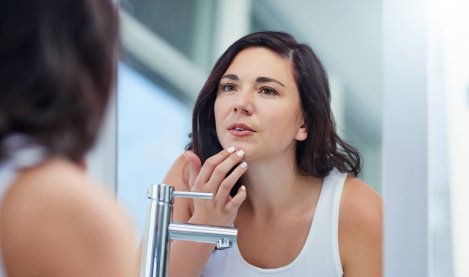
(211, 163)
(230, 180)
(221, 171)
(194, 165)
(237, 200)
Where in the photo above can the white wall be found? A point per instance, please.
(405, 138)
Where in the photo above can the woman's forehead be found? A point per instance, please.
(259, 61)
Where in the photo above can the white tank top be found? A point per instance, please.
(320, 253)
(21, 153)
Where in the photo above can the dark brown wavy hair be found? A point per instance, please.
(57, 68)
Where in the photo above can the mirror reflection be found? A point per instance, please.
(191, 35)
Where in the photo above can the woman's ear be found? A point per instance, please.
(302, 133)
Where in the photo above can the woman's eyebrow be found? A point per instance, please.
(268, 79)
(261, 79)
(233, 77)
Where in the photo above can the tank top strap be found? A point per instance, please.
(336, 182)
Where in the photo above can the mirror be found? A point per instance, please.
(155, 100)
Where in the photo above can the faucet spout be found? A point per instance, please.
(160, 230)
(202, 233)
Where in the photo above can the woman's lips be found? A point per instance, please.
(240, 130)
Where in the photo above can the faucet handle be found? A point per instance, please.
(192, 194)
(166, 193)
(222, 243)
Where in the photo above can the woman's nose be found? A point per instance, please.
(244, 103)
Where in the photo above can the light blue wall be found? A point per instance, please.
(152, 132)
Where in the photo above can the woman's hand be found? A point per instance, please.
(212, 177)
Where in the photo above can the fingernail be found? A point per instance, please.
(231, 149)
(243, 188)
(240, 153)
(244, 165)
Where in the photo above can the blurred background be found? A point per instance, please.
(399, 77)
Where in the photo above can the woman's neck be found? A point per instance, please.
(274, 186)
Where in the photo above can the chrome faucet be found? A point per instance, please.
(160, 230)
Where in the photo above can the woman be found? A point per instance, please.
(57, 66)
(264, 142)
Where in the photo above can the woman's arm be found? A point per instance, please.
(360, 230)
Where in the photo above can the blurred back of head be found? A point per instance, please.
(57, 68)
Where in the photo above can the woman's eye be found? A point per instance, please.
(268, 91)
(228, 88)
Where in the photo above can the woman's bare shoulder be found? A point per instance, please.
(57, 221)
(178, 174)
(360, 229)
(359, 202)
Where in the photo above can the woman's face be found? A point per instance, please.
(258, 108)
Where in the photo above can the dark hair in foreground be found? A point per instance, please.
(323, 150)
(57, 67)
